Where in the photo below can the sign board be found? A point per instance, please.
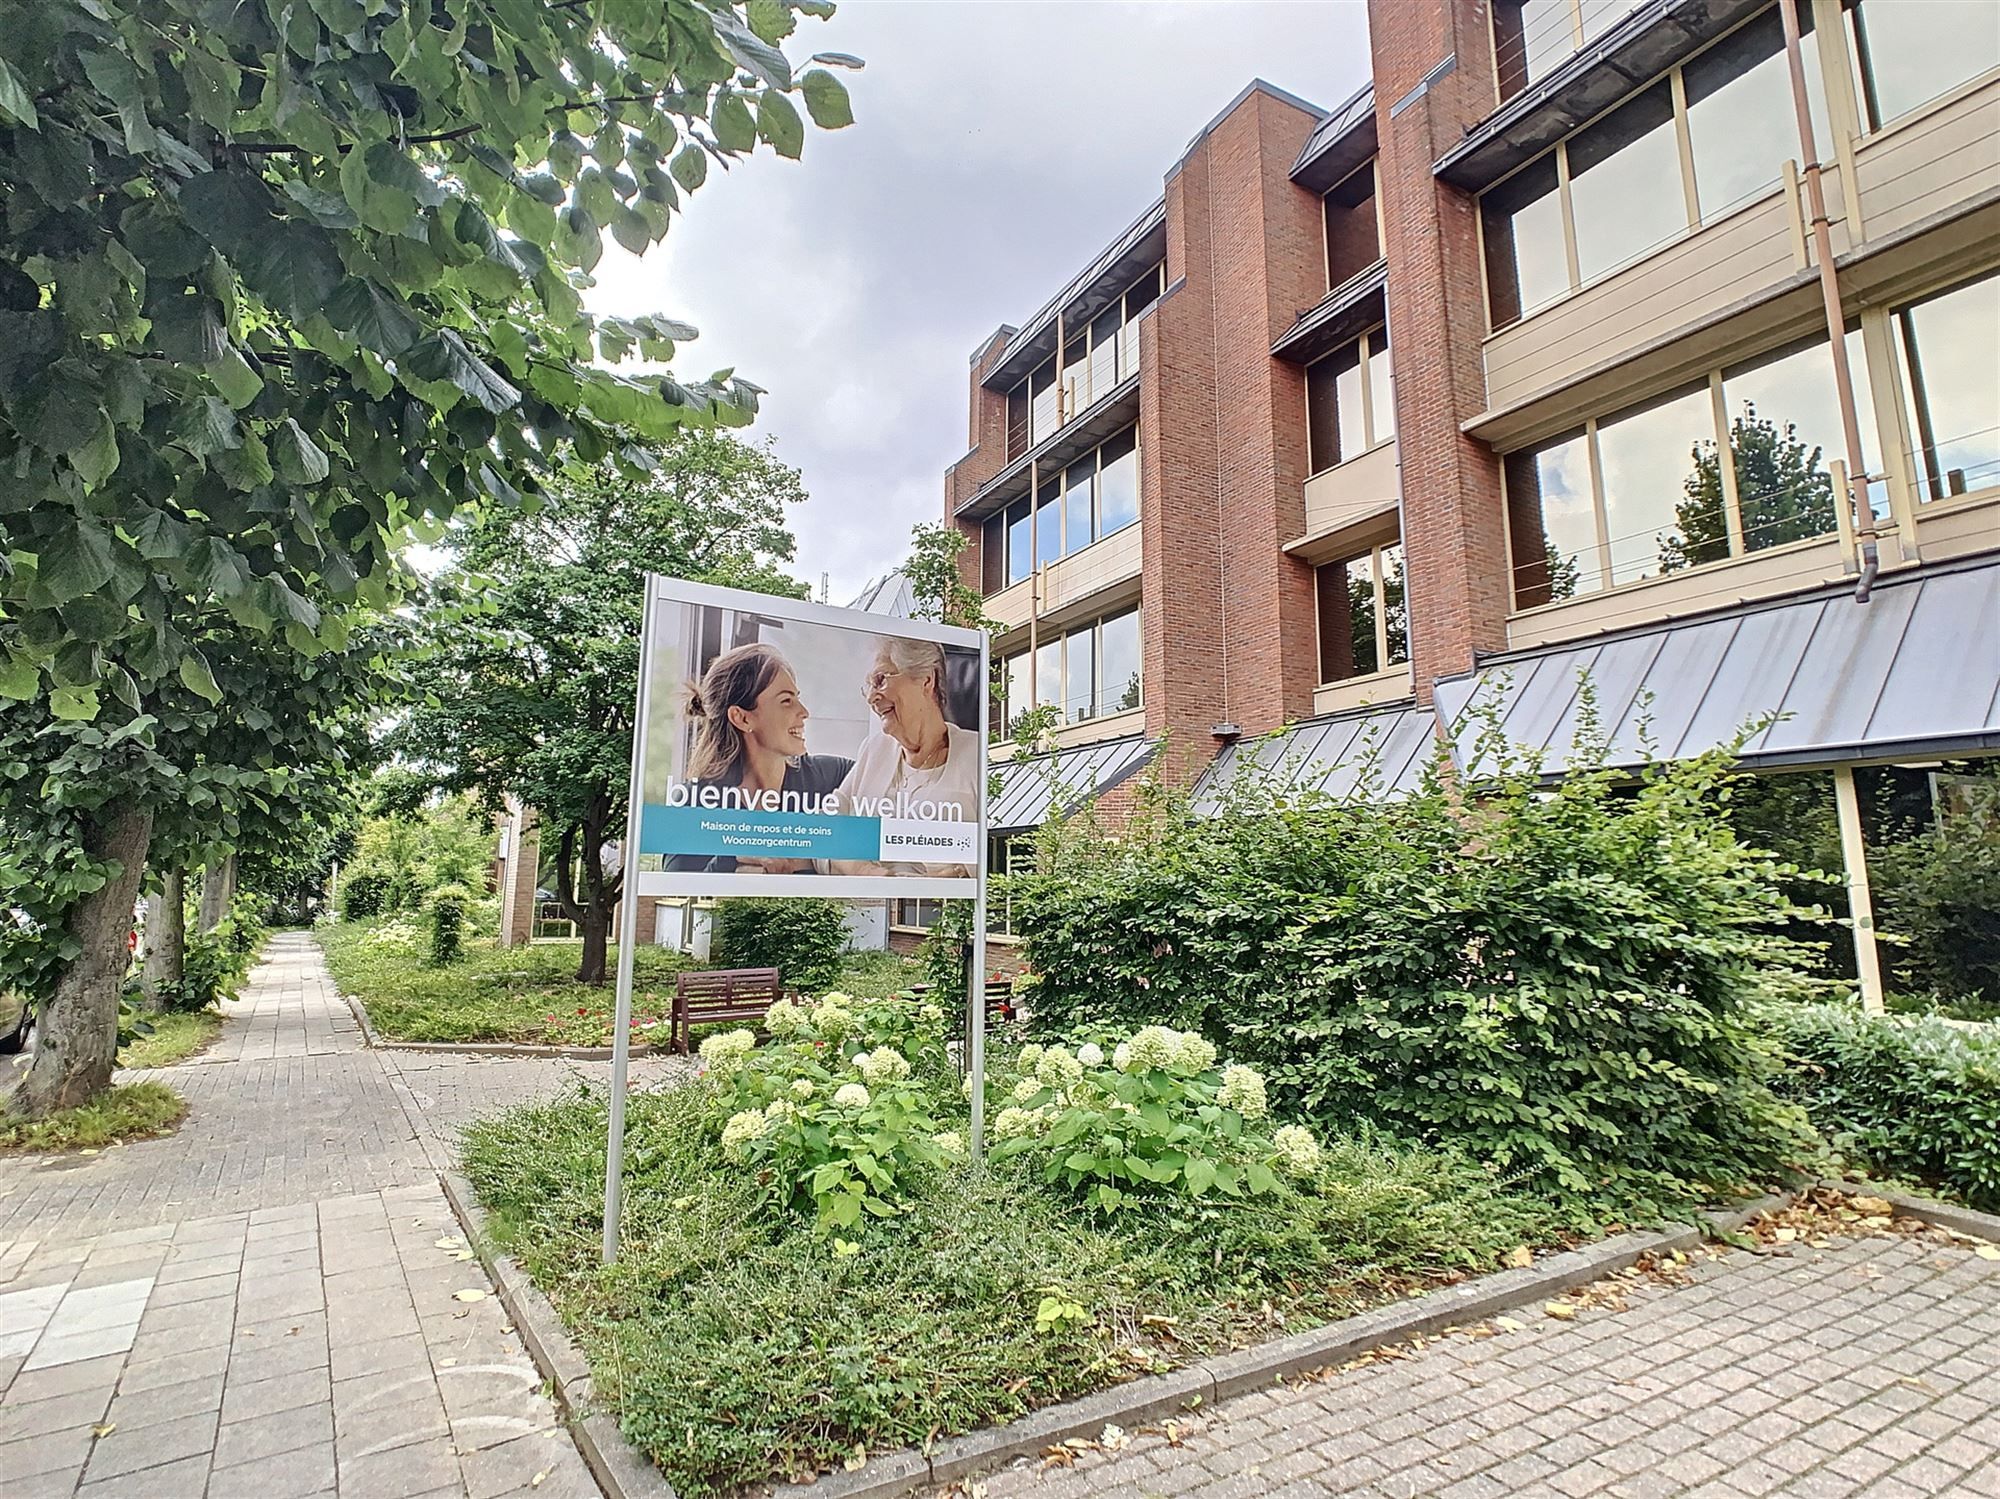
(795, 749)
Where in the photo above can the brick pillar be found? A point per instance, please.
(1453, 540)
(986, 432)
(1229, 617)
(517, 885)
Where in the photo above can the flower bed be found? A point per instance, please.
(811, 1269)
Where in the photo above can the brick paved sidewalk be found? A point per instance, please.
(260, 1306)
(1869, 1367)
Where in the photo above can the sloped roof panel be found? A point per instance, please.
(1033, 788)
(1377, 751)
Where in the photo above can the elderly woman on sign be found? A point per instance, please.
(919, 755)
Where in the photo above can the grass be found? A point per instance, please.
(133, 1111)
(524, 994)
(737, 1347)
(175, 1038)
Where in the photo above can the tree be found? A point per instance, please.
(1784, 494)
(536, 654)
(938, 589)
(282, 287)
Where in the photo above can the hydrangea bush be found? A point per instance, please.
(1154, 1119)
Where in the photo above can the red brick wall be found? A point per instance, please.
(1453, 542)
(986, 427)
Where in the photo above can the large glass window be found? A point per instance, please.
(1020, 540)
(1123, 666)
(1139, 296)
(1741, 124)
(1784, 434)
(1080, 675)
(1043, 402)
(1951, 383)
(1016, 694)
(1529, 38)
(1104, 348)
(1646, 457)
(1018, 427)
(1049, 673)
(1353, 235)
(1118, 482)
(1552, 520)
(1048, 520)
(1076, 375)
(1625, 183)
(1911, 51)
(1363, 619)
(1350, 401)
(993, 555)
(1079, 521)
(1526, 264)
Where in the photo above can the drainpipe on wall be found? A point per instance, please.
(1836, 321)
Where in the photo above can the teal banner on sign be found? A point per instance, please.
(743, 834)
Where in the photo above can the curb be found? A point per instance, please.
(621, 1472)
(1942, 1214)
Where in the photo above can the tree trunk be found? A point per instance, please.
(76, 1033)
(218, 888)
(596, 926)
(166, 938)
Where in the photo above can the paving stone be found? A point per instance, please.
(305, 1470)
(125, 1452)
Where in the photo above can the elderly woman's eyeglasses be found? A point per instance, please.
(876, 680)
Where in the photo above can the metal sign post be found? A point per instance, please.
(628, 941)
(975, 1029)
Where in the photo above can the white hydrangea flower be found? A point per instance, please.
(1297, 1149)
(1031, 1057)
(831, 1017)
(1090, 1054)
(951, 1142)
(835, 997)
(784, 1019)
(1058, 1069)
(780, 1108)
(1242, 1090)
(965, 1086)
(742, 1128)
(802, 1088)
(1196, 1052)
(1121, 1056)
(1156, 1048)
(850, 1096)
(930, 1012)
(728, 1048)
(882, 1065)
(1012, 1122)
(1026, 1089)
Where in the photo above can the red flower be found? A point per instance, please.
(581, 1010)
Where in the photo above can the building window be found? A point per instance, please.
(1353, 230)
(1094, 497)
(1098, 358)
(1350, 401)
(1007, 853)
(1020, 540)
(1646, 491)
(1951, 387)
(1018, 441)
(993, 554)
(916, 913)
(1709, 136)
(1363, 620)
(1085, 673)
(1908, 52)
(1044, 402)
(1118, 482)
(1531, 38)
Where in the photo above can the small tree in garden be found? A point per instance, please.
(1563, 979)
(804, 939)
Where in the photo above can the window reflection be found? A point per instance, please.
(1784, 434)
(1340, 424)
(1048, 521)
(1529, 38)
(1525, 262)
(1911, 51)
(1381, 389)
(1625, 183)
(1951, 384)
(1079, 525)
(1741, 123)
(1049, 673)
(1020, 540)
(1552, 519)
(1363, 618)
(1353, 238)
(1645, 458)
(1087, 673)
(1118, 482)
(1122, 663)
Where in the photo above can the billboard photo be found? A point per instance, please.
(792, 748)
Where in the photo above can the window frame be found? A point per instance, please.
(1373, 555)
(1372, 166)
(1063, 642)
(1364, 345)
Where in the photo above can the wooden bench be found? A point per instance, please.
(721, 994)
(1000, 1006)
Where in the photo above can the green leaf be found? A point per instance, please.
(294, 267)
(97, 459)
(233, 376)
(197, 678)
(75, 561)
(296, 455)
(159, 536)
(114, 75)
(372, 318)
(208, 426)
(779, 123)
(731, 121)
(1200, 1175)
(690, 167)
(826, 99)
(16, 103)
(74, 704)
(245, 467)
(444, 356)
(19, 679)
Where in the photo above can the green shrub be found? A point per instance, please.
(364, 893)
(1908, 1097)
(803, 938)
(1938, 891)
(1555, 979)
(448, 905)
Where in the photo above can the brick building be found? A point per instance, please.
(1212, 497)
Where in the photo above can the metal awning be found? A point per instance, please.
(1104, 418)
(1117, 266)
(1063, 781)
(1370, 752)
(1914, 673)
(1342, 315)
(1339, 143)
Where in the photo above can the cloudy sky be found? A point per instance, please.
(997, 146)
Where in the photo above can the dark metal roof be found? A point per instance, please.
(1631, 54)
(1103, 418)
(1339, 143)
(1346, 312)
(1063, 780)
(1370, 752)
(1143, 243)
(1914, 672)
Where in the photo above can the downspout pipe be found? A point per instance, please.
(1836, 321)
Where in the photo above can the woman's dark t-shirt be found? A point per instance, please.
(809, 775)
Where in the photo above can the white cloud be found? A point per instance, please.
(997, 147)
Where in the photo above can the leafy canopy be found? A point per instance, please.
(282, 284)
